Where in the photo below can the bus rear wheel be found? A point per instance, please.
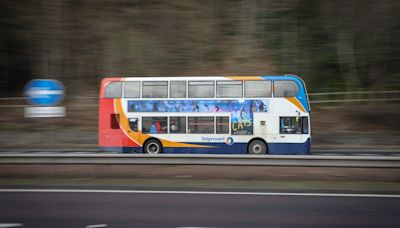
(153, 147)
(257, 147)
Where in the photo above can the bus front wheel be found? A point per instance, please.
(153, 147)
(257, 147)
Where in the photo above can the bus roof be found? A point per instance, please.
(198, 77)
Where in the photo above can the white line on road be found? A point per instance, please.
(200, 193)
(191, 227)
(96, 226)
(9, 225)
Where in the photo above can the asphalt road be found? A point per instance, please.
(50, 209)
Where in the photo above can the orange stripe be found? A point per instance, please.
(124, 124)
(296, 102)
(140, 137)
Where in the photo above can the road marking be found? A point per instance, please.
(8, 225)
(199, 193)
(96, 226)
(192, 227)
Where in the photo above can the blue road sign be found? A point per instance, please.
(45, 92)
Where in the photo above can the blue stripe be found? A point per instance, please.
(290, 148)
(121, 149)
(217, 148)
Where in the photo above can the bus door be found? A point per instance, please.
(305, 134)
(134, 125)
(134, 122)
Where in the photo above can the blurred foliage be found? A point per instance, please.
(335, 45)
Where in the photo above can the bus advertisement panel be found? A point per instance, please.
(241, 111)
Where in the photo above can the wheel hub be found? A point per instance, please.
(153, 148)
(257, 149)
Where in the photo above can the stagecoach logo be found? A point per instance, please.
(212, 139)
(229, 141)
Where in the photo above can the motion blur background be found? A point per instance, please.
(335, 46)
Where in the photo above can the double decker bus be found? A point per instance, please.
(226, 114)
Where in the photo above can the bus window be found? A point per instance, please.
(132, 90)
(133, 124)
(113, 90)
(201, 89)
(155, 89)
(290, 125)
(222, 125)
(114, 121)
(229, 89)
(285, 89)
(177, 89)
(177, 125)
(154, 125)
(304, 123)
(257, 89)
(201, 125)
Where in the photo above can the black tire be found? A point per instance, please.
(152, 147)
(257, 147)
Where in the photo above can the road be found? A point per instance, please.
(107, 209)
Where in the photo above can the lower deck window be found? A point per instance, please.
(222, 125)
(154, 125)
(177, 125)
(201, 125)
(294, 125)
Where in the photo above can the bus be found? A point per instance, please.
(205, 114)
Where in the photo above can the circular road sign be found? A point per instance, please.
(46, 92)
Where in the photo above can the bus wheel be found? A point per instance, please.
(152, 147)
(257, 147)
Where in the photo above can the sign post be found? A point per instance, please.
(43, 95)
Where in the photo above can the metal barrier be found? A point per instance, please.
(229, 160)
(356, 96)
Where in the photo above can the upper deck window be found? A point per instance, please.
(177, 89)
(229, 89)
(257, 89)
(156, 89)
(285, 89)
(201, 89)
(132, 90)
(113, 90)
